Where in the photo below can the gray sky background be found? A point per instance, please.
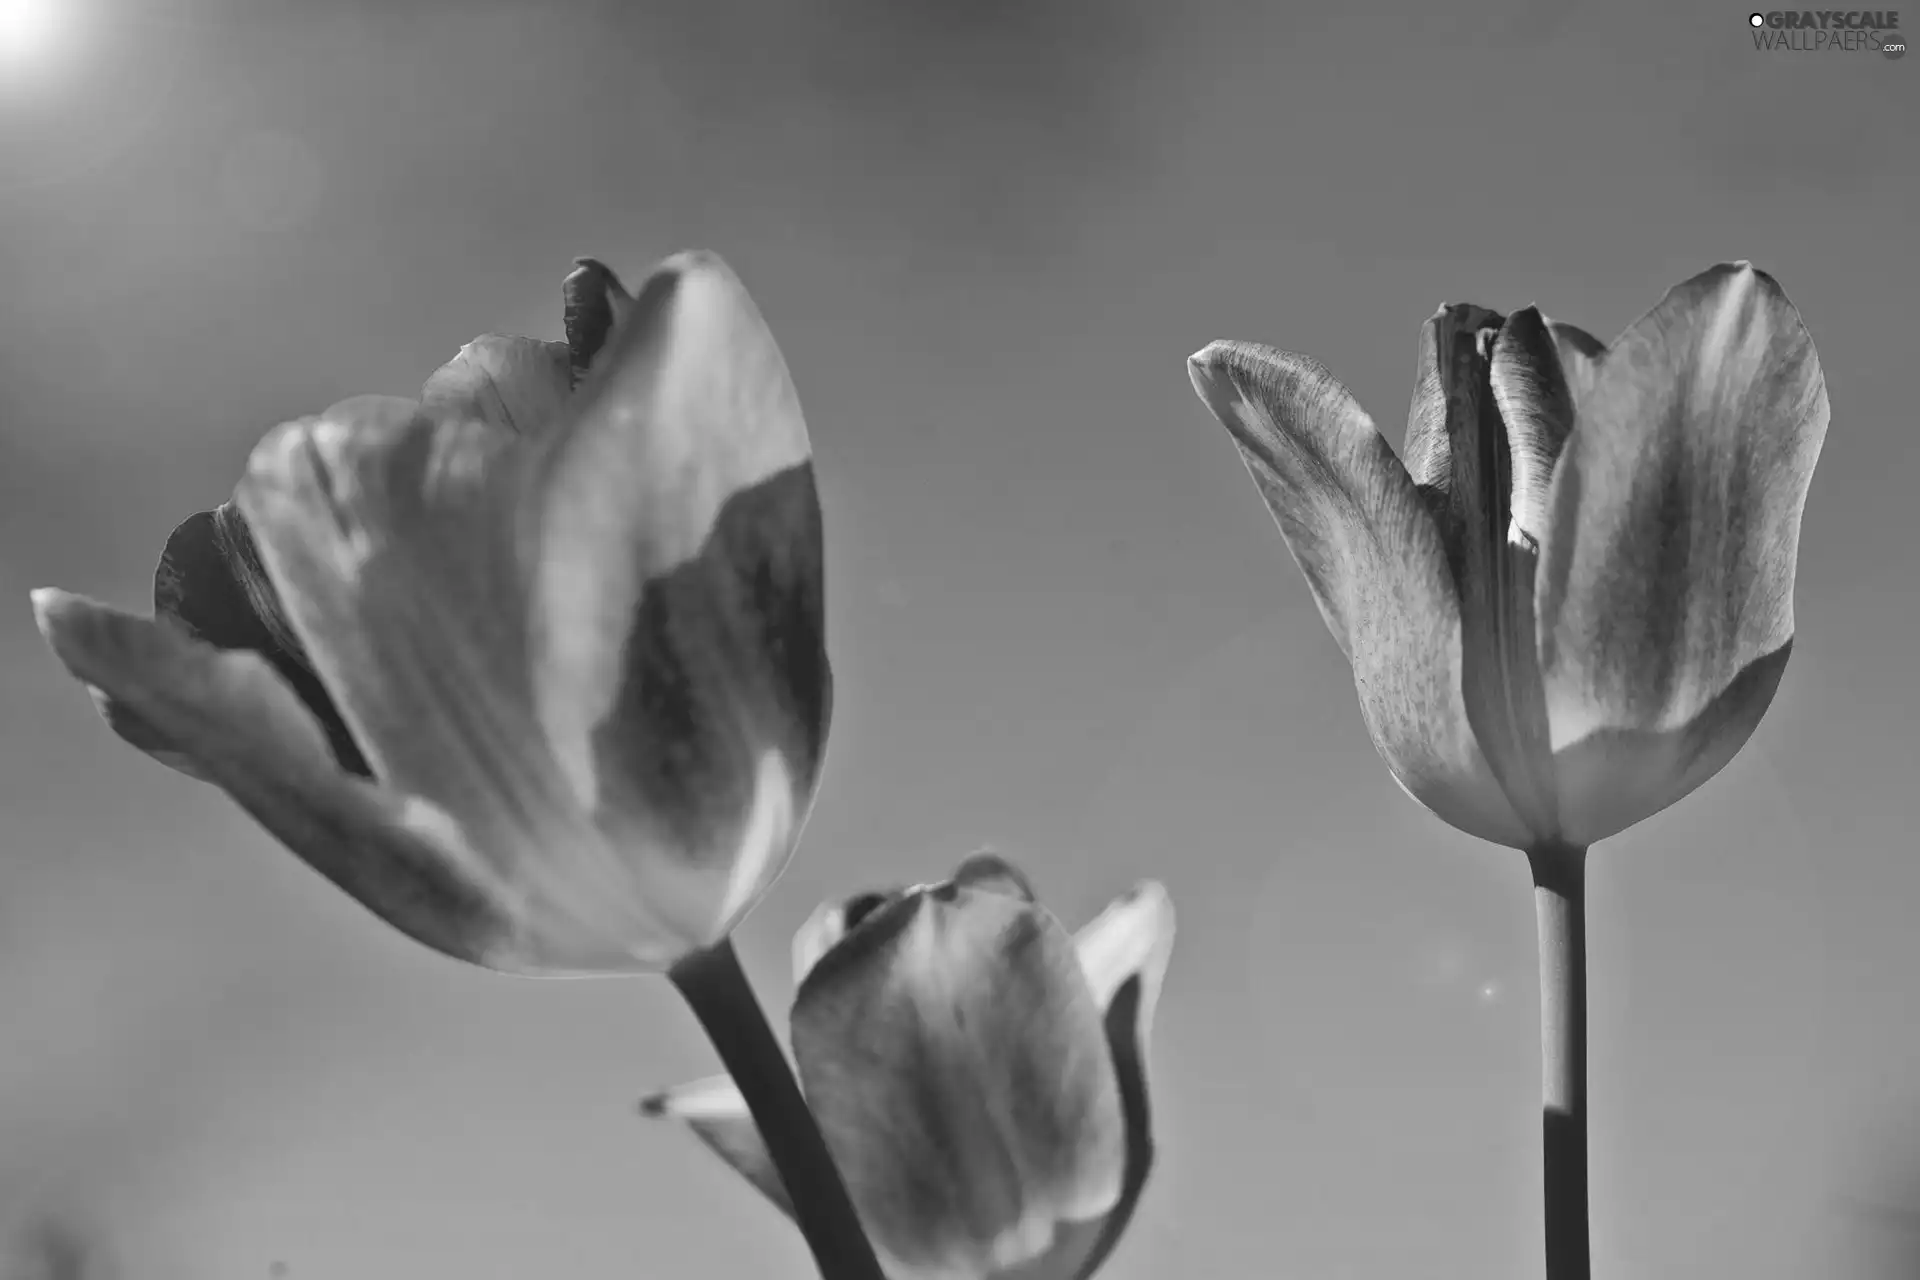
(987, 236)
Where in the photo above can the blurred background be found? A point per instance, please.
(987, 235)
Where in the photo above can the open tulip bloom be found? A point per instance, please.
(979, 1074)
(533, 667)
(1573, 601)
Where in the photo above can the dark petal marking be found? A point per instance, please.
(727, 656)
(589, 292)
(830, 926)
(860, 906)
(1123, 1037)
(211, 580)
(878, 930)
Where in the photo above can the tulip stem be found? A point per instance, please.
(715, 987)
(1560, 903)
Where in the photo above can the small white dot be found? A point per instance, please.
(1756, 20)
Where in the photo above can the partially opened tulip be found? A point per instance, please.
(533, 667)
(538, 677)
(979, 1074)
(1573, 602)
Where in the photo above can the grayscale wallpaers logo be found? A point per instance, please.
(1829, 31)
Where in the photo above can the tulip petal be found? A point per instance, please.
(1467, 453)
(679, 656)
(832, 921)
(829, 923)
(595, 302)
(210, 580)
(1613, 778)
(1124, 952)
(1431, 444)
(1130, 942)
(990, 873)
(239, 726)
(1580, 356)
(957, 1021)
(1374, 558)
(1535, 362)
(518, 384)
(137, 732)
(392, 538)
(1536, 407)
(1666, 574)
(819, 934)
(716, 1111)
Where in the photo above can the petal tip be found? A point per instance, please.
(1737, 269)
(1227, 353)
(47, 603)
(711, 1098)
(816, 936)
(594, 302)
(1152, 905)
(1465, 315)
(273, 462)
(1132, 937)
(56, 611)
(693, 265)
(1200, 369)
(591, 283)
(705, 291)
(1737, 278)
(588, 265)
(1154, 895)
(1220, 361)
(988, 870)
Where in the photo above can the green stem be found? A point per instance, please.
(716, 989)
(1560, 904)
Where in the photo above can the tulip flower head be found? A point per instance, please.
(533, 667)
(979, 1074)
(1573, 602)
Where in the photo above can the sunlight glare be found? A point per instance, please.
(28, 29)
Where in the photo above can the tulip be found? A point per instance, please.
(1573, 602)
(538, 677)
(534, 667)
(979, 1074)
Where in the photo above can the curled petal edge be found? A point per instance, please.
(1375, 561)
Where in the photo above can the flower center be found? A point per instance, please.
(1493, 564)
